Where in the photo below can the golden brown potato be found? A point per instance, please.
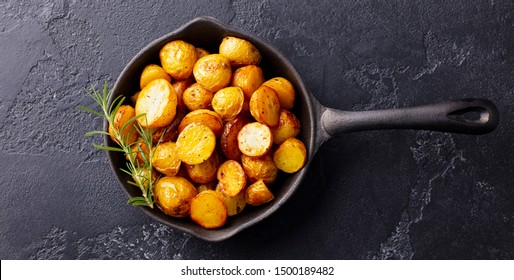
(152, 72)
(196, 97)
(249, 79)
(265, 106)
(257, 194)
(208, 118)
(201, 53)
(180, 87)
(123, 115)
(240, 52)
(140, 151)
(195, 143)
(158, 101)
(231, 178)
(255, 139)
(207, 187)
(208, 210)
(285, 91)
(142, 175)
(213, 72)
(235, 205)
(134, 97)
(290, 156)
(228, 102)
(204, 172)
(288, 126)
(165, 158)
(178, 58)
(169, 132)
(173, 196)
(228, 141)
(260, 168)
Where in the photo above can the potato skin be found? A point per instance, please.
(228, 102)
(173, 196)
(178, 58)
(206, 117)
(265, 106)
(196, 97)
(158, 101)
(152, 72)
(204, 172)
(260, 168)
(165, 159)
(248, 78)
(169, 132)
(235, 205)
(239, 51)
(288, 126)
(196, 143)
(285, 91)
(124, 114)
(258, 193)
(201, 52)
(290, 156)
(180, 87)
(213, 72)
(228, 141)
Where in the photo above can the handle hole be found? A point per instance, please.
(471, 115)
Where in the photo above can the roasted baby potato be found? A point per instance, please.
(249, 79)
(231, 178)
(265, 106)
(258, 193)
(213, 72)
(197, 97)
(200, 52)
(180, 87)
(234, 204)
(195, 143)
(152, 72)
(240, 52)
(204, 172)
(173, 195)
(228, 141)
(208, 210)
(134, 97)
(178, 58)
(158, 101)
(140, 151)
(228, 102)
(255, 139)
(285, 91)
(123, 115)
(288, 126)
(207, 187)
(260, 168)
(165, 158)
(169, 132)
(142, 175)
(290, 156)
(206, 117)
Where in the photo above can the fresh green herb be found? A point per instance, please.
(140, 172)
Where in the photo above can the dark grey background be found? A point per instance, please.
(369, 195)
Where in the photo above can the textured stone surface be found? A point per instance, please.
(369, 195)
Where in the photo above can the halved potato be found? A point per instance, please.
(285, 91)
(178, 59)
(195, 143)
(228, 102)
(249, 79)
(260, 168)
(239, 51)
(158, 101)
(197, 97)
(204, 172)
(258, 193)
(288, 126)
(206, 117)
(208, 210)
(235, 205)
(152, 72)
(290, 156)
(173, 195)
(231, 178)
(255, 139)
(228, 141)
(123, 115)
(265, 106)
(165, 158)
(213, 72)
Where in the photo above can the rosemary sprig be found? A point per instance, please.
(141, 173)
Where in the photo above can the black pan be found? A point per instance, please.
(469, 116)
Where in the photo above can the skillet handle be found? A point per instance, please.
(466, 116)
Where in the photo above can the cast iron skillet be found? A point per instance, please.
(318, 122)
